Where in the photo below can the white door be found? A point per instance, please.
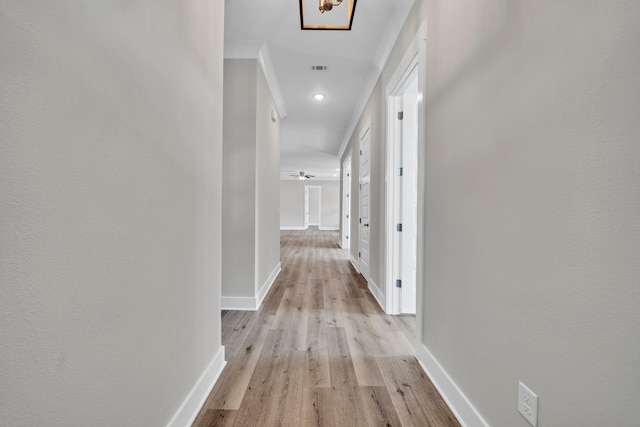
(306, 207)
(409, 182)
(314, 206)
(365, 180)
(402, 196)
(346, 204)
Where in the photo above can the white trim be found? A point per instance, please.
(387, 41)
(267, 285)
(409, 65)
(366, 129)
(238, 303)
(251, 303)
(391, 237)
(345, 203)
(354, 262)
(462, 408)
(188, 411)
(377, 293)
(258, 49)
(306, 205)
(292, 228)
(421, 41)
(329, 228)
(407, 59)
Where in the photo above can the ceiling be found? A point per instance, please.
(313, 132)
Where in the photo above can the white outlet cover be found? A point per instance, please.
(528, 404)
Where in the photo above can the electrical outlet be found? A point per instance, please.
(528, 404)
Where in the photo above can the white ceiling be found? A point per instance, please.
(313, 132)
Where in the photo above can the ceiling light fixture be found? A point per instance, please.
(302, 176)
(327, 5)
(318, 97)
(313, 17)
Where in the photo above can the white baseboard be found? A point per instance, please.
(251, 303)
(377, 293)
(328, 228)
(188, 411)
(238, 303)
(354, 262)
(264, 289)
(461, 407)
(292, 228)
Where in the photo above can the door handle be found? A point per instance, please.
(366, 225)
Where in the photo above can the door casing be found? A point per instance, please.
(414, 60)
(346, 203)
(364, 220)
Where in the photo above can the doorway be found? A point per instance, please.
(312, 205)
(364, 220)
(405, 172)
(405, 192)
(346, 203)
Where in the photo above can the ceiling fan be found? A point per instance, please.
(301, 175)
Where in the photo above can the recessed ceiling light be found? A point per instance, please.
(318, 97)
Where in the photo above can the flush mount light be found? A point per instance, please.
(313, 16)
(318, 97)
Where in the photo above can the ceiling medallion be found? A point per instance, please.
(313, 16)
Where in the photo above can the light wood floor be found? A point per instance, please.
(320, 352)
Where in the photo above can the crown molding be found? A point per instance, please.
(387, 41)
(258, 49)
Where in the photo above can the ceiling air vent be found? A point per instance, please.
(319, 68)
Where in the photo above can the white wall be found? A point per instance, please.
(251, 170)
(373, 112)
(532, 225)
(292, 204)
(110, 172)
(267, 187)
(239, 178)
(330, 206)
(314, 206)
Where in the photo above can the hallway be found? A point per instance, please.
(320, 352)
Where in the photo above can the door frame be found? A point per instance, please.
(414, 57)
(345, 241)
(366, 129)
(306, 205)
(396, 188)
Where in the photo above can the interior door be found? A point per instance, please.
(306, 207)
(365, 202)
(313, 205)
(409, 197)
(346, 204)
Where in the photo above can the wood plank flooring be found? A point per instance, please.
(320, 352)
